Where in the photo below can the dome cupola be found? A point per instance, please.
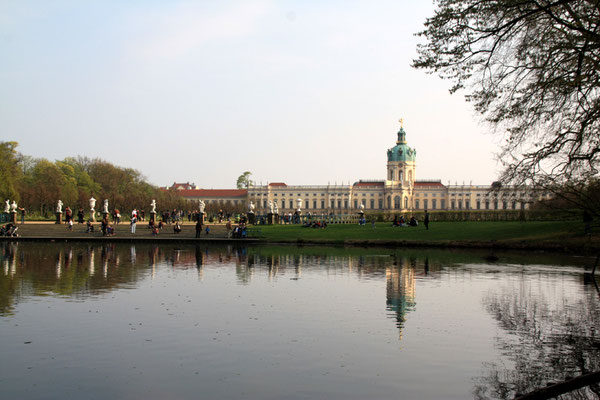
(401, 151)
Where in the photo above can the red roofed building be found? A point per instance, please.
(183, 186)
(224, 197)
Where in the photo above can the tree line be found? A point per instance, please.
(37, 184)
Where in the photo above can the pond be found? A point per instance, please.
(100, 321)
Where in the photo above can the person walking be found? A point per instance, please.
(23, 212)
(133, 223)
(229, 228)
(199, 228)
(426, 221)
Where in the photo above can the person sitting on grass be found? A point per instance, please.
(154, 230)
(110, 231)
(413, 222)
(176, 227)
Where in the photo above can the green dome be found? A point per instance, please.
(401, 151)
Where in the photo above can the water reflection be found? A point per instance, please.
(401, 289)
(549, 338)
(81, 270)
(546, 316)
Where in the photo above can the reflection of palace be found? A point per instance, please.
(400, 191)
(400, 291)
(30, 269)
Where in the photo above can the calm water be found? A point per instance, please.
(185, 322)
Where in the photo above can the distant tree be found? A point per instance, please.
(10, 171)
(45, 186)
(243, 181)
(532, 69)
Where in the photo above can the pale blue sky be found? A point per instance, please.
(306, 92)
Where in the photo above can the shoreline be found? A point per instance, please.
(50, 232)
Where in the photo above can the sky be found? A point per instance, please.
(302, 92)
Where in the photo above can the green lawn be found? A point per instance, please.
(439, 231)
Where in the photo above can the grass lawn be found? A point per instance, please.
(438, 232)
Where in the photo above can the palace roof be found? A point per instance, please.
(213, 192)
(369, 183)
(429, 184)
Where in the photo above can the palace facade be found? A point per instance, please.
(399, 192)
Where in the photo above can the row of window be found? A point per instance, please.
(378, 204)
(397, 204)
(316, 195)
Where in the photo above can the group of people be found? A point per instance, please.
(294, 218)
(240, 231)
(401, 222)
(9, 230)
(106, 228)
(315, 224)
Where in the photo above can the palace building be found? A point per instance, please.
(399, 192)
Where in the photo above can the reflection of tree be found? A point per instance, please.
(400, 293)
(546, 343)
(67, 270)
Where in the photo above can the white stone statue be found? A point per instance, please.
(251, 207)
(92, 203)
(299, 202)
(105, 207)
(59, 207)
(275, 207)
(271, 207)
(201, 205)
(153, 207)
(13, 207)
(362, 207)
(6, 206)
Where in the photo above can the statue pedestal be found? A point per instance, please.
(152, 216)
(251, 218)
(13, 217)
(270, 219)
(93, 215)
(58, 218)
(361, 216)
